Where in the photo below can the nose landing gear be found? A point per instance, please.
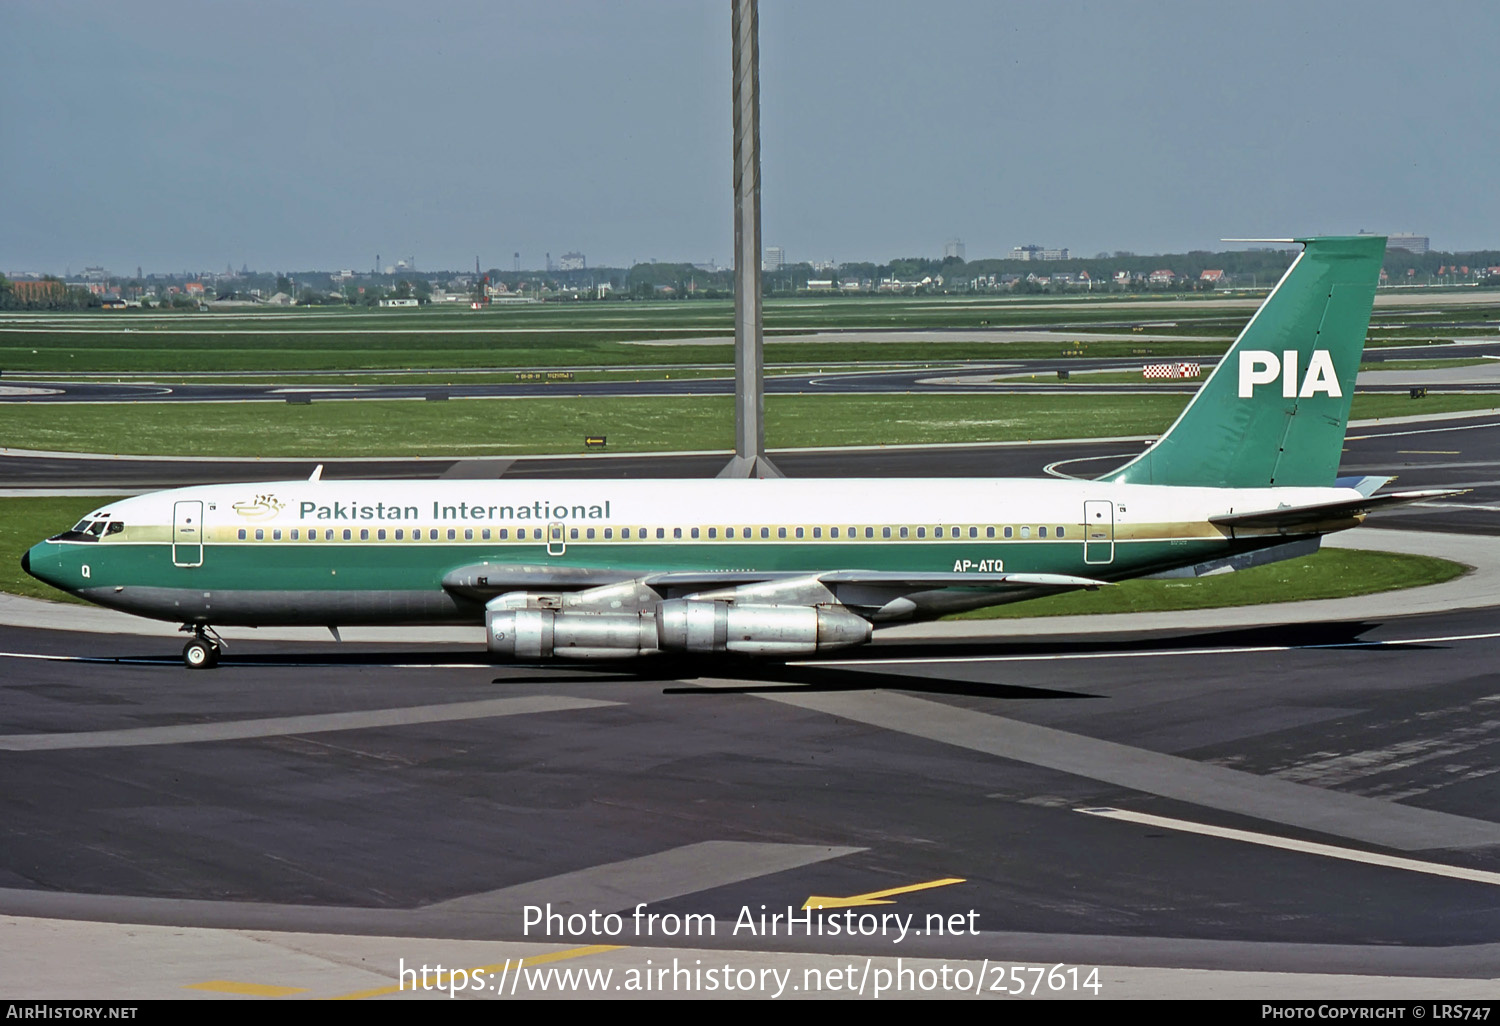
(202, 653)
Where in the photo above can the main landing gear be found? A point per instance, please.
(202, 653)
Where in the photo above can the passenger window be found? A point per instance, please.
(328, 534)
(364, 534)
(765, 532)
(729, 532)
(1025, 532)
(694, 532)
(573, 534)
(989, 532)
(400, 534)
(484, 534)
(1009, 531)
(903, 532)
(885, 532)
(781, 532)
(661, 532)
(380, 534)
(468, 534)
(974, 532)
(242, 534)
(590, 533)
(833, 532)
(676, 532)
(938, 533)
(348, 534)
(713, 532)
(1041, 532)
(1059, 532)
(921, 532)
(260, 535)
(609, 532)
(432, 534)
(276, 534)
(295, 535)
(799, 532)
(818, 532)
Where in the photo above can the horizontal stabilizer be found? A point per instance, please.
(1319, 512)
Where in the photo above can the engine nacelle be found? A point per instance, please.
(545, 634)
(697, 625)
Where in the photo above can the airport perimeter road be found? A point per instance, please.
(965, 377)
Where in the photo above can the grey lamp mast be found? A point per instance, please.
(750, 458)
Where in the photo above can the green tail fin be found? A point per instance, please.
(1274, 410)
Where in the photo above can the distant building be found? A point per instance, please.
(38, 291)
(1037, 253)
(572, 262)
(1162, 277)
(773, 259)
(1417, 244)
(398, 302)
(953, 248)
(1217, 277)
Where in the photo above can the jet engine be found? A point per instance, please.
(678, 625)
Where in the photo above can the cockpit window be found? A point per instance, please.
(96, 528)
(82, 525)
(115, 527)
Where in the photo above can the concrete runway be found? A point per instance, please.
(1275, 803)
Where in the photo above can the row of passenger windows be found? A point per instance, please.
(645, 533)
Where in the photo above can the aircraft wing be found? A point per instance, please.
(483, 581)
(1292, 517)
(985, 581)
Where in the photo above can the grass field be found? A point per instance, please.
(467, 427)
(1331, 573)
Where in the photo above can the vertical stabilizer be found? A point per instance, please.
(1274, 410)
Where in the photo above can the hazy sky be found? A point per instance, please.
(188, 135)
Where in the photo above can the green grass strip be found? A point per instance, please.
(469, 427)
(1329, 573)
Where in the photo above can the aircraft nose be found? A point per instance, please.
(38, 559)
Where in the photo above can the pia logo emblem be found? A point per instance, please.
(1262, 367)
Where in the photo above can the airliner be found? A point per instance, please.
(779, 567)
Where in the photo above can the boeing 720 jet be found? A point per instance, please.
(614, 569)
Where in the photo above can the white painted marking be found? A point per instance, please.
(1166, 652)
(1424, 431)
(1307, 847)
(1457, 505)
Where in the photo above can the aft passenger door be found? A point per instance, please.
(187, 533)
(1098, 531)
